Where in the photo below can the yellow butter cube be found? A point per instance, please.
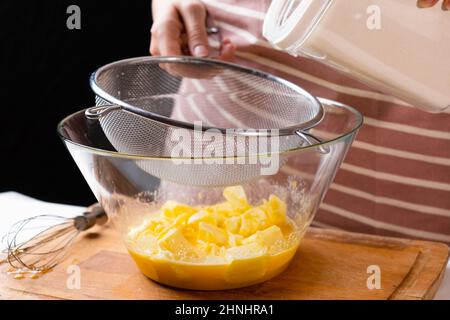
(145, 242)
(172, 209)
(151, 224)
(276, 210)
(236, 197)
(211, 248)
(202, 216)
(210, 233)
(234, 239)
(223, 209)
(246, 251)
(259, 216)
(271, 236)
(267, 237)
(159, 228)
(181, 219)
(248, 225)
(253, 238)
(154, 226)
(247, 263)
(233, 224)
(179, 222)
(190, 233)
(177, 244)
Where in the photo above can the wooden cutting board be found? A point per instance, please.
(328, 265)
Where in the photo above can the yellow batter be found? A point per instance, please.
(228, 245)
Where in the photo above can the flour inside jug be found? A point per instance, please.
(391, 44)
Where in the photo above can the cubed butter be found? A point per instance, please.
(172, 209)
(253, 238)
(210, 233)
(202, 216)
(146, 243)
(233, 224)
(271, 236)
(155, 226)
(248, 225)
(267, 237)
(259, 216)
(211, 248)
(177, 244)
(234, 239)
(226, 245)
(247, 263)
(236, 197)
(224, 209)
(276, 210)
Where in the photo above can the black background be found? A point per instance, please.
(45, 68)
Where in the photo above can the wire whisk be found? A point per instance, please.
(38, 244)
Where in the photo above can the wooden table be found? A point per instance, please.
(328, 265)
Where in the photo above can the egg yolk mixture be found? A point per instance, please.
(227, 245)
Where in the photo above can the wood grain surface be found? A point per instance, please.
(328, 265)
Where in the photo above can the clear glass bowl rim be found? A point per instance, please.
(358, 123)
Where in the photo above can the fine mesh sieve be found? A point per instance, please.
(191, 108)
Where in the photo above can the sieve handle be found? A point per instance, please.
(310, 139)
(95, 113)
(214, 36)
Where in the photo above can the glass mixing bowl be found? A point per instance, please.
(230, 237)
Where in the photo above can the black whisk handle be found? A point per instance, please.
(94, 215)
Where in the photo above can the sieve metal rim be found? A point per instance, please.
(96, 88)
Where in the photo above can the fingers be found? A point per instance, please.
(194, 18)
(180, 29)
(166, 30)
(227, 50)
(431, 3)
(166, 38)
(189, 71)
(426, 3)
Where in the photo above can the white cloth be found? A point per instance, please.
(444, 291)
(15, 206)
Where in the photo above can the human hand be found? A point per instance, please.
(431, 3)
(179, 27)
